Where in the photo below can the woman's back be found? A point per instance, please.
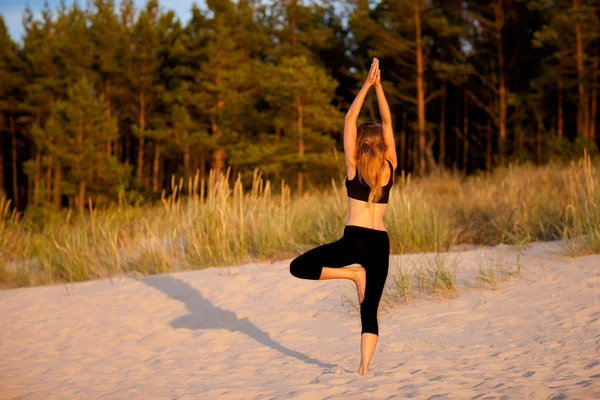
(358, 213)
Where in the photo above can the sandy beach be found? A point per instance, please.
(256, 332)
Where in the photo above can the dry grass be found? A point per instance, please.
(215, 222)
(423, 276)
(494, 268)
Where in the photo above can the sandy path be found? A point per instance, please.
(256, 332)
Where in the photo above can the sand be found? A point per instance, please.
(256, 332)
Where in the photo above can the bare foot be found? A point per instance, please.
(361, 283)
(362, 370)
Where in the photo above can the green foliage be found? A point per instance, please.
(563, 149)
(76, 137)
(243, 79)
(300, 94)
(12, 76)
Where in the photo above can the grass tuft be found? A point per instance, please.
(494, 268)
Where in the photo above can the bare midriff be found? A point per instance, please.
(368, 217)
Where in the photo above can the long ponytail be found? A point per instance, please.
(370, 163)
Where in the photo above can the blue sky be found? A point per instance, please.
(12, 10)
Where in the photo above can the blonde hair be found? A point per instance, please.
(370, 162)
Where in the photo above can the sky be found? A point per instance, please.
(12, 10)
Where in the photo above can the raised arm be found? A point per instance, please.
(352, 115)
(386, 119)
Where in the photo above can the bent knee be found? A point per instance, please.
(303, 270)
(296, 268)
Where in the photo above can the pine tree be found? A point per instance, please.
(170, 34)
(220, 69)
(12, 80)
(572, 30)
(483, 74)
(73, 48)
(45, 86)
(402, 33)
(301, 94)
(123, 95)
(142, 76)
(105, 32)
(76, 136)
(297, 86)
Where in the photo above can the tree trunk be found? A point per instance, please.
(142, 123)
(456, 136)
(594, 105)
(108, 114)
(49, 179)
(81, 199)
(466, 134)
(538, 137)
(14, 162)
(79, 158)
(186, 162)
(561, 122)
(161, 174)
(57, 194)
(219, 159)
(443, 127)
(219, 155)
(583, 111)
(488, 157)
(410, 150)
(195, 164)
(420, 87)
(499, 16)
(127, 148)
(300, 144)
(415, 152)
(519, 133)
(403, 140)
(36, 184)
(118, 148)
(156, 168)
(148, 175)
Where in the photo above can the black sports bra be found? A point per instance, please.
(360, 191)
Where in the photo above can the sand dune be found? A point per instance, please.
(256, 332)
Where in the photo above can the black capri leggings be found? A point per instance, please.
(365, 246)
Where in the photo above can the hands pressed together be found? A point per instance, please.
(374, 77)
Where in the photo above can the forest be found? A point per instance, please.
(107, 101)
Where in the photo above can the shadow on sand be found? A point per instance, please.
(204, 315)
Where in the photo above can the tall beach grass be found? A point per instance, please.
(215, 222)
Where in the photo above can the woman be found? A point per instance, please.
(371, 160)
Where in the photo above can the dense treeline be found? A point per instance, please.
(111, 101)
